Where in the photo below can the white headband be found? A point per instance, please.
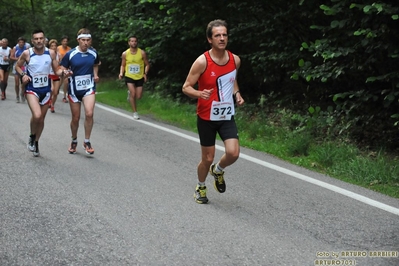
(84, 36)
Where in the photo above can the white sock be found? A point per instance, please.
(218, 169)
(87, 140)
(201, 184)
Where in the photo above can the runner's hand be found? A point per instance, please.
(206, 94)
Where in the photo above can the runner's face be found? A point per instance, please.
(219, 37)
(38, 40)
(64, 42)
(84, 43)
(133, 42)
(21, 44)
(4, 43)
(53, 46)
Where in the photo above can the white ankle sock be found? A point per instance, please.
(218, 169)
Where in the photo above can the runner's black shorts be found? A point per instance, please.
(207, 130)
(5, 68)
(137, 83)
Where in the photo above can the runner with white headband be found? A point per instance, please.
(84, 36)
(83, 62)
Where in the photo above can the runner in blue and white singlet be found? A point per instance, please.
(38, 69)
(38, 60)
(81, 83)
(82, 62)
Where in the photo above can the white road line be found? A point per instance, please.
(305, 178)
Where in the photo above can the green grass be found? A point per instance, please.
(373, 170)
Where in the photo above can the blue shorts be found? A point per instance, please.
(77, 97)
(43, 96)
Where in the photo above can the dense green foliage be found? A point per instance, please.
(334, 62)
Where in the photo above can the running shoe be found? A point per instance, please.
(31, 143)
(52, 108)
(200, 195)
(136, 116)
(88, 148)
(72, 148)
(18, 101)
(219, 183)
(36, 152)
(3, 95)
(64, 100)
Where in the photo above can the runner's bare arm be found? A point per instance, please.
(21, 61)
(12, 55)
(195, 72)
(236, 92)
(24, 58)
(58, 70)
(123, 65)
(95, 72)
(146, 62)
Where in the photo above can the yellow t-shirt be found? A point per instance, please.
(134, 68)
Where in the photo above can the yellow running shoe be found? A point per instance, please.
(200, 195)
(219, 183)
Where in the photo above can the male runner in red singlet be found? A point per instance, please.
(216, 74)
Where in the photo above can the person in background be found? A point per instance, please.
(15, 54)
(62, 50)
(55, 80)
(134, 68)
(5, 60)
(215, 71)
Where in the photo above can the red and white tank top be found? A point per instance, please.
(220, 105)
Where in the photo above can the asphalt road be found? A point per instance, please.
(132, 202)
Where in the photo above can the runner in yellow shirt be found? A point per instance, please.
(134, 68)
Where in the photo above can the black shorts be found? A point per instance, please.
(137, 83)
(227, 129)
(5, 68)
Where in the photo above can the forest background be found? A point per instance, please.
(330, 66)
